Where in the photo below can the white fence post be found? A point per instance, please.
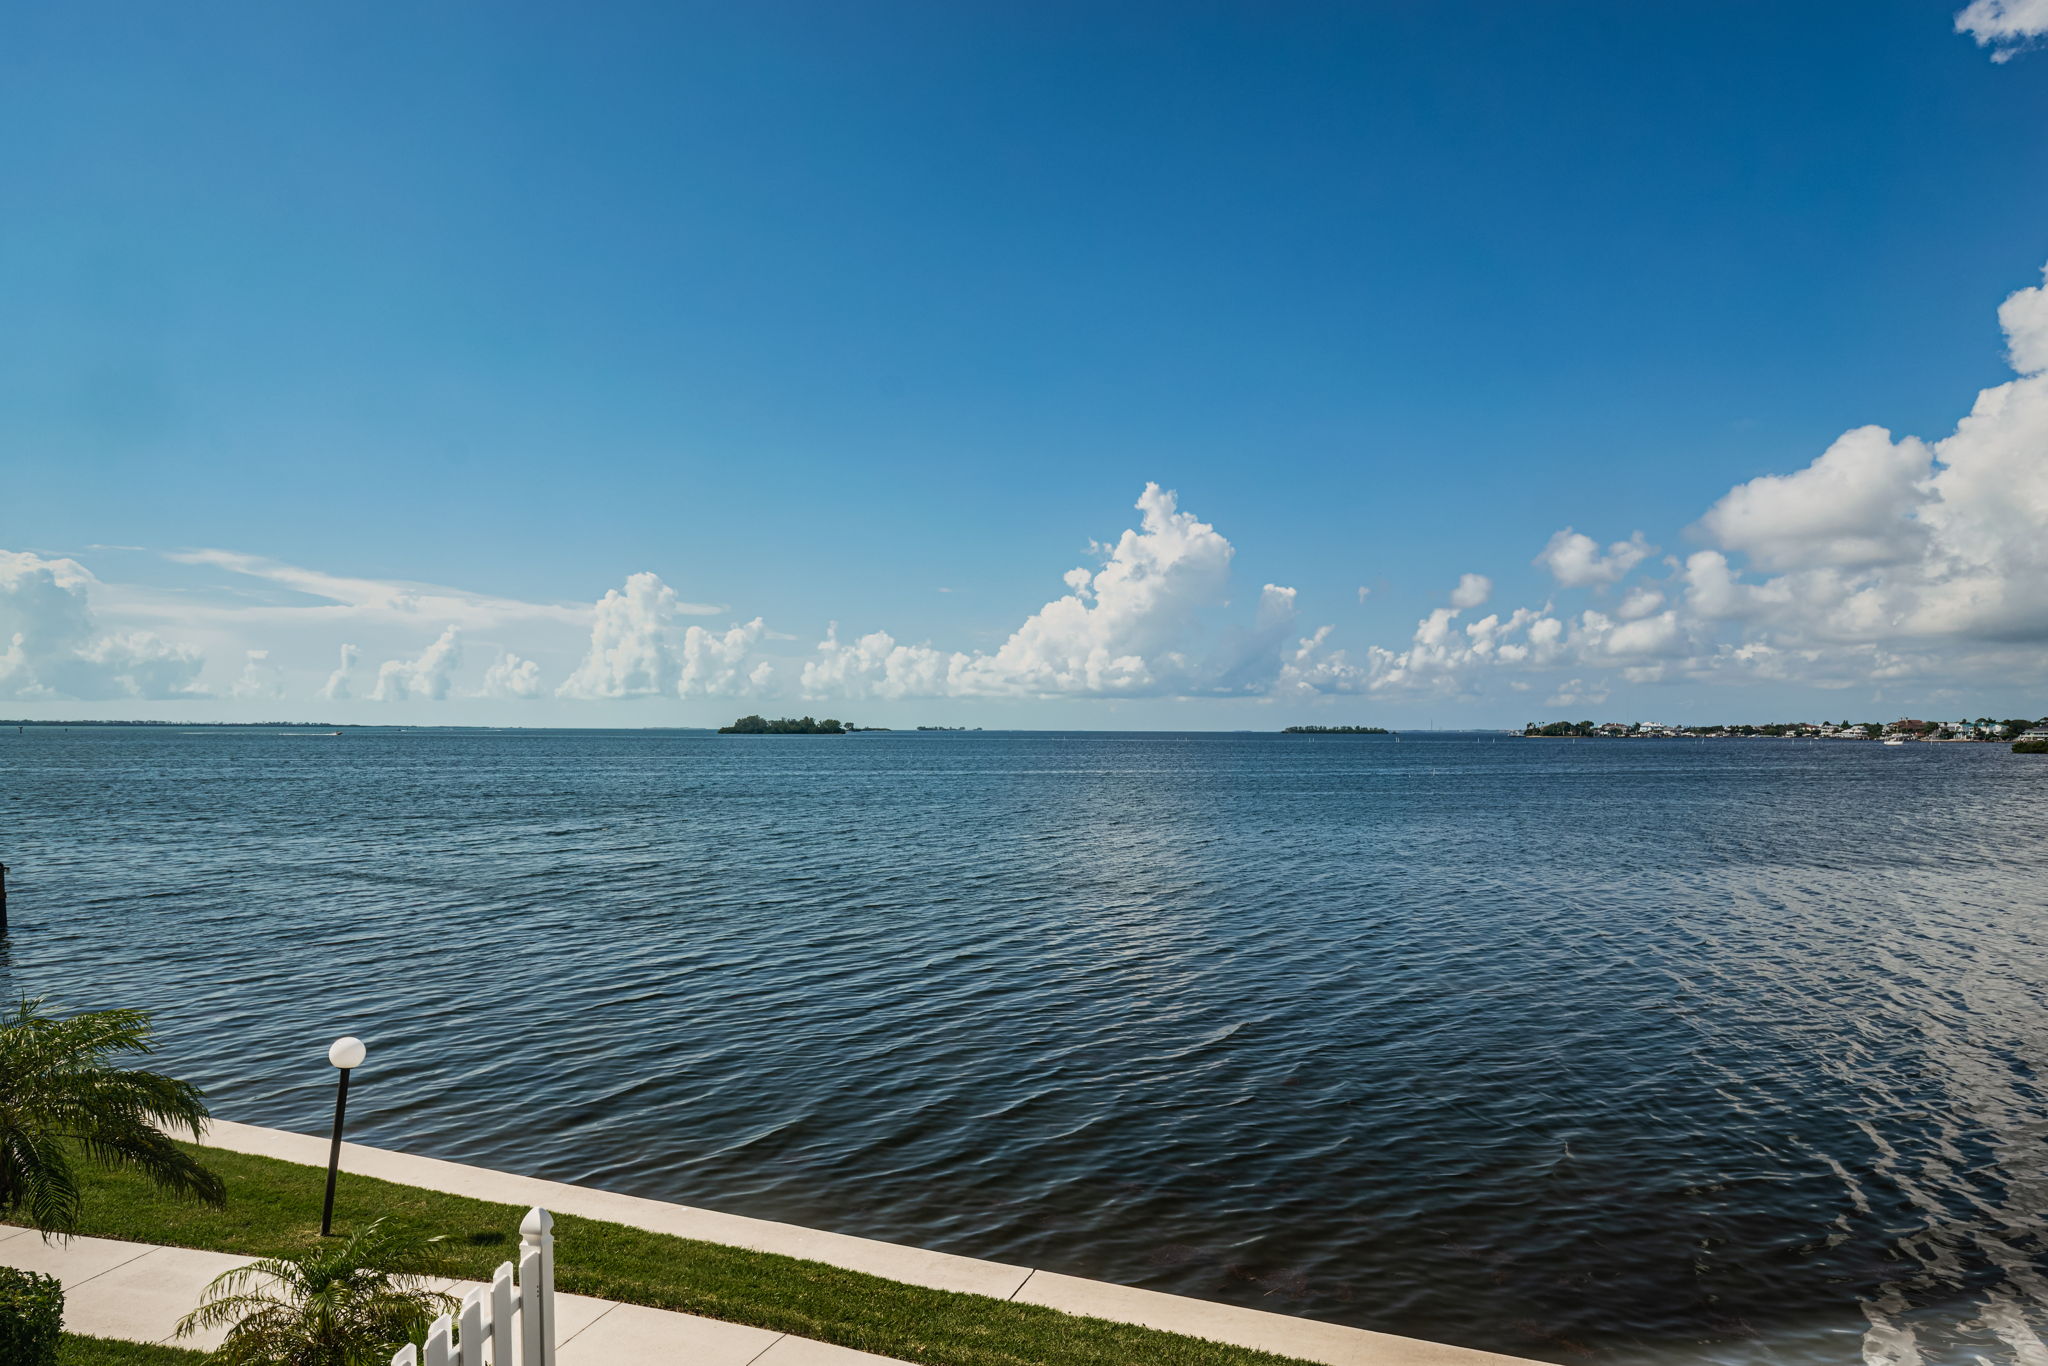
(469, 1343)
(503, 1334)
(536, 1289)
(437, 1343)
(487, 1315)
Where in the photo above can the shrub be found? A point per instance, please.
(350, 1304)
(2030, 747)
(31, 1316)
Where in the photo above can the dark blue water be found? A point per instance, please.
(1723, 1051)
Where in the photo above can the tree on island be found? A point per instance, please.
(803, 725)
(1335, 730)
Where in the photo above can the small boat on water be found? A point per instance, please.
(1895, 740)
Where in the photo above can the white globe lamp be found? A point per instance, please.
(346, 1054)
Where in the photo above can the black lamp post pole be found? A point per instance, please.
(334, 1154)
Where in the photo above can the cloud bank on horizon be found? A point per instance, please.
(1886, 558)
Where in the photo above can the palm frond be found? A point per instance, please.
(334, 1305)
(155, 1156)
(37, 1173)
(62, 1091)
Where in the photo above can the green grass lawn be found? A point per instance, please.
(74, 1349)
(274, 1208)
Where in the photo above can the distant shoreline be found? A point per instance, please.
(25, 723)
(228, 725)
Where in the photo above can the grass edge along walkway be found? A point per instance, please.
(76, 1349)
(273, 1208)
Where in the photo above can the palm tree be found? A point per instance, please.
(347, 1304)
(61, 1097)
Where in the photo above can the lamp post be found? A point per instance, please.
(346, 1054)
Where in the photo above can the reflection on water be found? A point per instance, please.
(1645, 1051)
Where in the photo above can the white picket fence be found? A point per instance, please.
(510, 1322)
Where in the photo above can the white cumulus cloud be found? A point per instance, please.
(631, 653)
(1901, 544)
(723, 663)
(1574, 559)
(2007, 27)
(427, 677)
(51, 645)
(511, 677)
(1884, 558)
(1639, 602)
(1440, 659)
(1856, 505)
(2024, 319)
(260, 680)
(638, 649)
(340, 685)
(1144, 624)
(1472, 591)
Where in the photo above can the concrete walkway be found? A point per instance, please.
(139, 1291)
(1308, 1339)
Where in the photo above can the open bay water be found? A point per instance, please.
(1665, 1051)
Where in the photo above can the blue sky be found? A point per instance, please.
(884, 315)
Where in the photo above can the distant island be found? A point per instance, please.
(801, 725)
(1335, 730)
(945, 728)
(1983, 729)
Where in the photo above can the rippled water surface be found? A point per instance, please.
(1672, 1051)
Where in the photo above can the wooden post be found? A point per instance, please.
(3, 898)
